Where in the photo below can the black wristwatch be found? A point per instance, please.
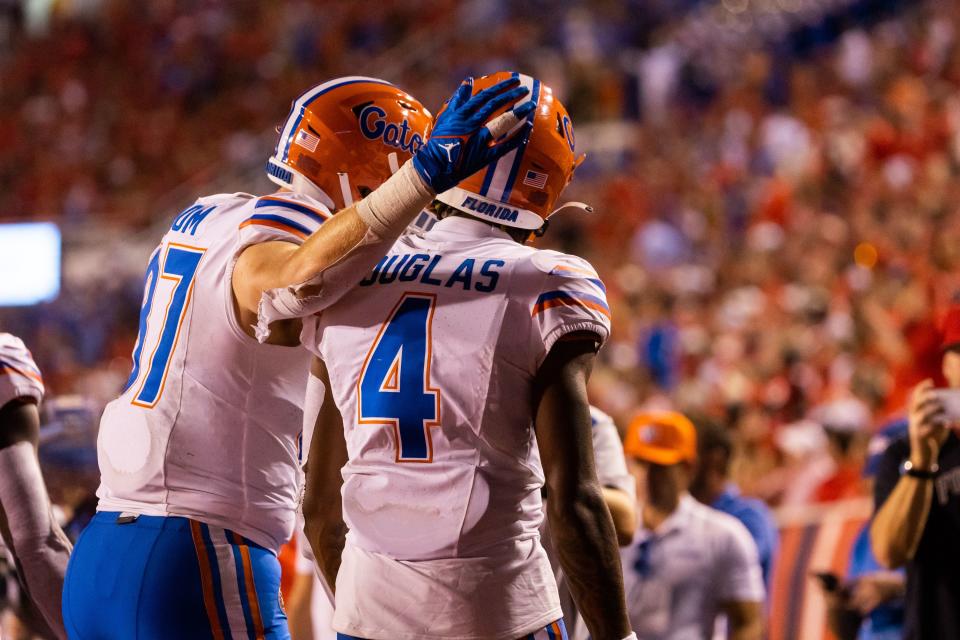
(908, 469)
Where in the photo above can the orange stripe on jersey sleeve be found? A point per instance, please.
(8, 370)
(586, 272)
(563, 299)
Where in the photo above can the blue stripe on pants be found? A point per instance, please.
(217, 581)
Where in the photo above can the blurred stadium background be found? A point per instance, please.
(775, 183)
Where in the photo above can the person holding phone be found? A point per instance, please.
(868, 603)
(917, 501)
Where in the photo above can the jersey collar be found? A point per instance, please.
(458, 226)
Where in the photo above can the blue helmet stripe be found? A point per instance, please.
(492, 169)
(488, 178)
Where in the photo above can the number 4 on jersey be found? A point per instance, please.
(394, 387)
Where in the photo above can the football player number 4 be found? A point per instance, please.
(180, 264)
(394, 388)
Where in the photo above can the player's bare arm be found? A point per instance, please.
(461, 143)
(19, 422)
(38, 544)
(322, 512)
(272, 265)
(582, 528)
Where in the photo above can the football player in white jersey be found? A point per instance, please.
(457, 365)
(39, 546)
(199, 455)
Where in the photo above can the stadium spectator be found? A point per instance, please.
(807, 204)
(688, 563)
(917, 501)
(868, 605)
(711, 485)
(844, 422)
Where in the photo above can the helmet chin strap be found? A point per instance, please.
(289, 178)
(344, 178)
(345, 189)
(301, 184)
(579, 206)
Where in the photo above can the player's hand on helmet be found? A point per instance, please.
(463, 141)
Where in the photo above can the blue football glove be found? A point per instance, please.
(463, 142)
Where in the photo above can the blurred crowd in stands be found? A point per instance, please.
(775, 185)
(778, 238)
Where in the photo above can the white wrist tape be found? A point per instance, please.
(392, 206)
(39, 546)
(503, 124)
(632, 636)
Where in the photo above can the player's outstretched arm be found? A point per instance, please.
(582, 529)
(464, 140)
(39, 546)
(322, 509)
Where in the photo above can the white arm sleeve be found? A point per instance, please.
(40, 547)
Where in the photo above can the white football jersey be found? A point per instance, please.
(209, 423)
(432, 360)
(19, 375)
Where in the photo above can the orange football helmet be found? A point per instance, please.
(345, 137)
(521, 189)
